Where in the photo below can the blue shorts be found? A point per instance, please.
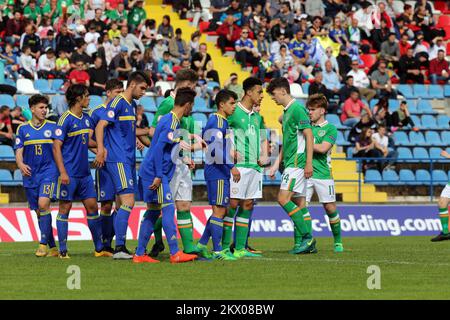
(44, 190)
(77, 189)
(218, 192)
(162, 195)
(122, 175)
(104, 186)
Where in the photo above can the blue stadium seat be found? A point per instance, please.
(91, 155)
(429, 122)
(350, 153)
(59, 99)
(417, 121)
(10, 82)
(7, 100)
(144, 152)
(393, 105)
(406, 176)
(159, 100)
(6, 152)
(150, 117)
(6, 178)
(340, 140)
(401, 139)
(57, 84)
(95, 101)
(420, 91)
(412, 106)
(148, 103)
(305, 87)
(197, 156)
(443, 122)
(433, 139)
(199, 177)
(334, 120)
(424, 107)
(417, 139)
(439, 177)
(43, 86)
(22, 101)
(423, 177)
(435, 153)
(200, 117)
(445, 136)
(420, 153)
(374, 177)
(390, 177)
(346, 134)
(210, 86)
(138, 154)
(372, 103)
(447, 90)
(200, 105)
(404, 153)
(17, 177)
(436, 91)
(406, 91)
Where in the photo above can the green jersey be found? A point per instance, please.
(249, 131)
(114, 15)
(295, 120)
(137, 16)
(32, 14)
(165, 107)
(322, 161)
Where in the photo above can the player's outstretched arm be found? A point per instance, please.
(307, 133)
(57, 154)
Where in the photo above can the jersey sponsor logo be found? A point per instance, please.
(87, 123)
(58, 132)
(110, 114)
(64, 193)
(321, 133)
(47, 133)
(17, 140)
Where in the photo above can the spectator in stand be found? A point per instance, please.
(31, 39)
(354, 32)
(318, 87)
(111, 50)
(337, 32)
(6, 132)
(129, 40)
(49, 41)
(408, 14)
(331, 78)
(80, 54)
(14, 28)
(317, 29)
(91, 39)
(364, 17)
(401, 118)
(150, 64)
(11, 62)
(365, 122)
(100, 26)
(62, 64)
(401, 28)
(44, 28)
(352, 110)
(275, 45)
(118, 14)
(380, 35)
(390, 50)
(284, 62)
(281, 28)
(228, 33)
(235, 10)
(404, 44)
(141, 118)
(245, 50)
(52, 10)
(178, 48)
(202, 63)
(79, 75)
(421, 50)
(346, 89)
(120, 65)
(33, 12)
(265, 68)
(17, 118)
(382, 146)
(382, 117)
(437, 44)
(159, 48)
(439, 69)
(27, 64)
(65, 41)
(328, 56)
(76, 10)
(365, 147)
(285, 13)
(165, 66)
(314, 8)
(218, 7)
(137, 16)
(165, 29)
(382, 83)
(114, 31)
(136, 61)
(424, 19)
(361, 81)
(199, 10)
(233, 84)
(98, 75)
(47, 65)
(409, 69)
(194, 44)
(344, 62)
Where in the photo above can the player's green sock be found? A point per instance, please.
(157, 231)
(184, 221)
(242, 220)
(228, 228)
(335, 224)
(443, 215)
(307, 219)
(297, 237)
(294, 212)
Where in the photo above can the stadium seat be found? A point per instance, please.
(423, 177)
(420, 154)
(401, 139)
(429, 122)
(199, 177)
(95, 101)
(211, 85)
(424, 107)
(17, 176)
(406, 91)
(7, 100)
(406, 176)
(368, 60)
(350, 153)
(164, 86)
(334, 120)
(138, 154)
(417, 139)
(433, 139)
(57, 84)
(6, 152)
(390, 177)
(404, 154)
(200, 105)
(393, 105)
(435, 153)
(200, 117)
(6, 178)
(150, 117)
(435, 91)
(305, 87)
(445, 136)
(43, 86)
(22, 101)
(340, 140)
(297, 91)
(148, 103)
(372, 103)
(10, 82)
(420, 91)
(416, 121)
(447, 88)
(203, 26)
(439, 177)
(443, 21)
(443, 122)
(91, 155)
(26, 86)
(374, 177)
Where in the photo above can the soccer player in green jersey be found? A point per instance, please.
(181, 183)
(322, 180)
(248, 131)
(443, 208)
(296, 154)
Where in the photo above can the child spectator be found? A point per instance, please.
(165, 66)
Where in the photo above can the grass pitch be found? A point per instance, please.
(411, 268)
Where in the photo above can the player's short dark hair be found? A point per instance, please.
(184, 95)
(112, 84)
(36, 99)
(138, 77)
(278, 83)
(74, 92)
(317, 100)
(186, 75)
(250, 83)
(225, 95)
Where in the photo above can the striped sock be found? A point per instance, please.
(206, 233)
(170, 228)
(45, 224)
(107, 228)
(62, 225)
(335, 224)
(228, 228)
(216, 233)
(146, 230)
(242, 221)
(184, 221)
(121, 224)
(294, 212)
(443, 215)
(95, 226)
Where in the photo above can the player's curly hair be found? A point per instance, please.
(36, 99)
(317, 100)
(75, 92)
(278, 83)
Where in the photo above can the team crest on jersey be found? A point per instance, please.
(321, 133)
(58, 132)
(219, 135)
(110, 114)
(131, 182)
(234, 190)
(102, 193)
(87, 123)
(47, 133)
(168, 196)
(64, 193)
(226, 199)
(17, 140)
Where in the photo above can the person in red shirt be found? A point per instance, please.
(439, 68)
(14, 28)
(112, 4)
(353, 106)
(79, 75)
(404, 45)
(6, 132)
(228, 33)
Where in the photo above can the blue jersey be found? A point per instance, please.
(37, 147)
(158, 160)
(298, 48)
(247, 43)
(74, 131)
(217, 162)
(120, 134)
(96, 115)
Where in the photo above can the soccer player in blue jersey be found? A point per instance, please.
(34, 157)
(115, 134)
(70, 150)
(155, 174)
(218, 166)
(103, 183)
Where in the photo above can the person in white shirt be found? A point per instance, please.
(382, 145)
(27, 64)
(329, 56)
(91, 39)
(361, 81)
(47, 64)
(438, 44)
(159, 48)
(364, 17)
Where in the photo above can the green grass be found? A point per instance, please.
(411, 268)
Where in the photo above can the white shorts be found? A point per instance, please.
(181, 183)
(446, 192)
(293, 179)
(249, 187)
(324, 188)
